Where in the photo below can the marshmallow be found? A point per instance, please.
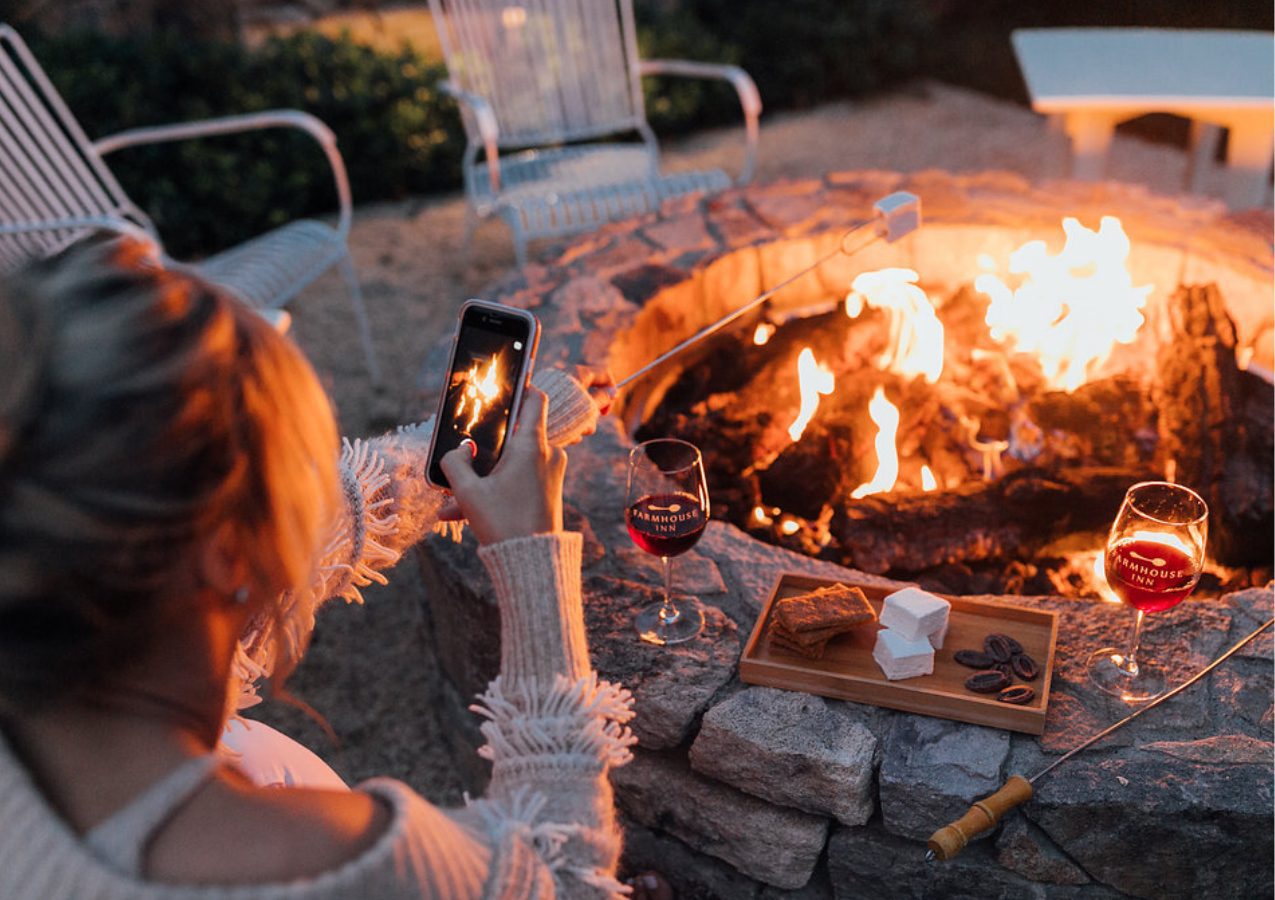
(900, 658)
(914, 613)
(937, 638)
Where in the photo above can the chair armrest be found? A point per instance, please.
(122, 227)
(749, 98)
(485, 120)
(275, 118)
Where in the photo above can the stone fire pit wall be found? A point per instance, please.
(740, 791)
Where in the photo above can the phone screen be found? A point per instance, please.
(490, 359)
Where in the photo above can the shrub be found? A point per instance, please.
(396, 134)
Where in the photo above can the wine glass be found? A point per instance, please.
(666, 510)
(1153, 560)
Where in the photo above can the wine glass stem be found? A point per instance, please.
(1130, 663)
(668, 612)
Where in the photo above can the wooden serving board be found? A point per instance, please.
(847, 670)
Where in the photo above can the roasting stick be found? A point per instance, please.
(894, 216)
(951, 839)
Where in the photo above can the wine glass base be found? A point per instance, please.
(685, 623)
(1107, 675)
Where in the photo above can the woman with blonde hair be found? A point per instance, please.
(172, 512)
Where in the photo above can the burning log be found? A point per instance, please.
(1107, 423)
(1223, 455)
(978, 521)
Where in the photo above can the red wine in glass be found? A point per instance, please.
(1150, 575)
(666, 524)
(666, 511)
(1154, 556)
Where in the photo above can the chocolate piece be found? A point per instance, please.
(1014, 646)
(837, 606)
(975, 659)
(997, 646)
(988, 682)
(1018, 695)
(1005, 669)
(1024, 667)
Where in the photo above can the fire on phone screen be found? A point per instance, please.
(489, 362)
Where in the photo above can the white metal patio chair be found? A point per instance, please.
(55, 189)
(541, 76)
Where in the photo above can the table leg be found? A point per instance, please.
(1204, 138)
(1090, 135)
(1248, 155)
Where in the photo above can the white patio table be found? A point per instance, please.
(1095, 78)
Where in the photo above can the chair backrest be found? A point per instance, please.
(49, 170)
(552, 70)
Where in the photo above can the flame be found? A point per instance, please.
(1070, 309)
(1100, 580)
(915, 344)
(928, 481)
(480, 391)
(886, 415)
(762, 333)
(813, 379)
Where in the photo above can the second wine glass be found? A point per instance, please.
(1154, 556)
(666, 510)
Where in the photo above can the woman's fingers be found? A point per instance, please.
(458, 466)
(450, 511)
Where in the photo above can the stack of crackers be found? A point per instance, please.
(806, 623)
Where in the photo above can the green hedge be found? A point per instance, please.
(398, 135)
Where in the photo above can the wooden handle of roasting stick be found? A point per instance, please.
(951, 839)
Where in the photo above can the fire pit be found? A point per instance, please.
(738, 786)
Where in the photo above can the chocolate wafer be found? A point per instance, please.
(834, 609)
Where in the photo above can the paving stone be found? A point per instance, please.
(794, 749)
(868, 862)
(933, 769)
(774, 844)
(1127, 815)
(672, 686)
(1023, 848)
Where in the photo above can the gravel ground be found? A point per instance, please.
(370, 670)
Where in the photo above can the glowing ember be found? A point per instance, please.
(928, 481)
(813, 380)
(760, 517)
(886, 415)
(762, 333)
(481, 390)
(790, 526)
(1070, 309)
(915, 343)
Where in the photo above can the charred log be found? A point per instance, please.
(1107, 423)
(1203, 437)
(979, 521)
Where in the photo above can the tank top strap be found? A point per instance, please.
(121, 839)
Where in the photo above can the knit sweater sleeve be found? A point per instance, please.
(390, 507)
(552, 728)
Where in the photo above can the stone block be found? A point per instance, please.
(781, 260)
(933, 769)
(693, 573)
(672, 686)
(869, 862)
(794, 749)
(680, 235)
(1126, 816)
(689, 872)
(1023, 848)
(774, 844)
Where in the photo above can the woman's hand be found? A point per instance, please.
(523, 495)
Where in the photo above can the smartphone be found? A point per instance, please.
(490, 367)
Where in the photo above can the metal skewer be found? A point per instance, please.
(984, 814)
(894, 216)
